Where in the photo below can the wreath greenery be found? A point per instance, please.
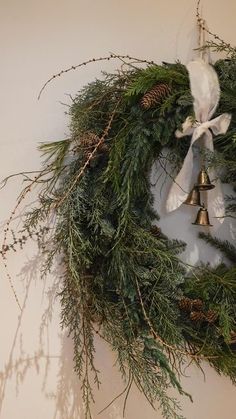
(122, 277)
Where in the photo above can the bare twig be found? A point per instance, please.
(118, 396)
(202, 25)
(92, 60)
(24, 174)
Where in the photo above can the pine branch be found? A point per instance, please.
(223, 245)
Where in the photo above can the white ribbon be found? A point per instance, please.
(205, 90)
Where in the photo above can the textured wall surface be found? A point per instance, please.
(37, 39)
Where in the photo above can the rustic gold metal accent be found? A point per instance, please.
(203, 181)
(202, 218)
(194, 197)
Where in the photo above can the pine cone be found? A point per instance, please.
(211, 316)
(154, 96)
(197, 304)
(89, 140)
(197, 316)
(185, 304)
(155, 231)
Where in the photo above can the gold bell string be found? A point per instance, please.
(194, 198)
(202, 32)
(205, 90)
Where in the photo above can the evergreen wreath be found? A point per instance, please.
(122, 277)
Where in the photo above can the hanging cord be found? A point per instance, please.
(204, 54)
(203, 32)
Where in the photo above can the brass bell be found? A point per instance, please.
(202, 217)
(194, 197)
(203, 181)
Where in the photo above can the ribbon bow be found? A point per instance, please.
(205, 90)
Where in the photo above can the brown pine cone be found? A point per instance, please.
(197, 304)
(185, 304)
(211, 316)
(155, 231)
(88, 140)
(197, 316)
(155, 95)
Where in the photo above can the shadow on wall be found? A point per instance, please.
(57, 368)
(67, 398)
(67, 401)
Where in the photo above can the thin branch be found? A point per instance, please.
(92, 60)
(202, 25)
(118, 396)
(6, 179)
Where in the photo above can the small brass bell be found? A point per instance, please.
(202, 217)
(203, 181)
(193, 197)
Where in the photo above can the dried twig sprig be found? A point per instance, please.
(93, 60)
(220, 43)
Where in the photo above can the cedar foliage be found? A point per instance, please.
(120, 280)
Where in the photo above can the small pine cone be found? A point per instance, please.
(185, 304)
(155, 231)
(197, 304)
(211, 316)
(89, 140)
(197, 316)
(154, 96)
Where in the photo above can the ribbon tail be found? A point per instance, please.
(181, 185)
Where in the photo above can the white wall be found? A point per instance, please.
(38, 38)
